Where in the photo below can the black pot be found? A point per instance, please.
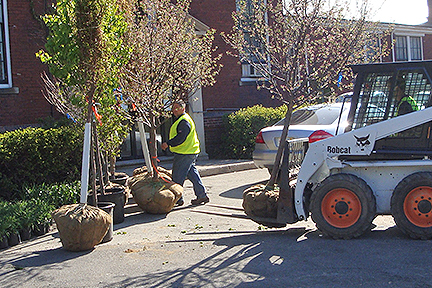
(120, 178)
(41, 229)
(109, 208)
(3, 242)
(116, 196)
(14, 239)
(25, 233)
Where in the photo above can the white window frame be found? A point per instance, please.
(408, 38)
(250, 73)
(7, 57)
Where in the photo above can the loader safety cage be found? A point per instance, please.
(376, 98)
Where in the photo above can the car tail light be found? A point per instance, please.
(259, 138)
(319, 135)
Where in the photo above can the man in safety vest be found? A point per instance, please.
(184, 144)
(405, 104)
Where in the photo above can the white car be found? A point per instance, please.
(316, 122)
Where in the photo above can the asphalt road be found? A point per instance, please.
(216, 246)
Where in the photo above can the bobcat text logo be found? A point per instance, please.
(338, 150)
(362, 141)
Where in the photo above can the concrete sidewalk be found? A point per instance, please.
(206, 167)
(182, 248)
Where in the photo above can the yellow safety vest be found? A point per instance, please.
(410, 101)
(191, 145)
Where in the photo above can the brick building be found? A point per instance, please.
(22, 35)
(235, 87)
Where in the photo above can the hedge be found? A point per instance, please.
(242, 127)
(36, 156)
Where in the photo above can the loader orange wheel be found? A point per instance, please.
(418, 206)
(411, 205)
(341, 207)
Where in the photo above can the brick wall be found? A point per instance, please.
(427, 43)
(214, 131)
(26, 104)
(227, 92)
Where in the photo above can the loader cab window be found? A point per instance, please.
(373, 100)
(409, 91)
(380, 98)
(381, 94)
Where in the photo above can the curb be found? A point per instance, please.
(205, 168)
(227, 168)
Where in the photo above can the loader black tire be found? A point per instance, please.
(411, 205)
(343, 206)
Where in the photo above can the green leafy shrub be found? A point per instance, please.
(41, 211)
(55, 195)
(7, 221)
(36, 155)
(23, 214)
(242, 127)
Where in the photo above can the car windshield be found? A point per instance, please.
(315, 115)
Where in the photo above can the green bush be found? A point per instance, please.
(8, 219)
(41, 211)
(55, 195)
(242, 127)
(23, 214)
(36, 155)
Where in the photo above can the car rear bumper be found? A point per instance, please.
(264, 158)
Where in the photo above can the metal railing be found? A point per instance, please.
(296, 149)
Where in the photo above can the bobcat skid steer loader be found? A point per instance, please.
(381, 164)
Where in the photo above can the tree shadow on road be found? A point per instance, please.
(300, 257)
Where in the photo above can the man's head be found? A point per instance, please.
(399, 88)
(178, 107)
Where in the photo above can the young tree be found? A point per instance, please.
(302, 48)
(168, 61)
(84, 52)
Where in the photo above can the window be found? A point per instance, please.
(5, 71)
(378, 99)
(253, 48)
(408, 48)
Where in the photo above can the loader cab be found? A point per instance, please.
(377, 97)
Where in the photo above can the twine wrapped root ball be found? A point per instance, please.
(155, 196)
(81, 226)
(260, 202)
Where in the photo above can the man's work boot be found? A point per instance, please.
(200, 201)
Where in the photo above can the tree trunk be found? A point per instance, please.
(112, 163)
(281, 148)
(98, 159)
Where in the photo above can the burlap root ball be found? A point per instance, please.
(81, 226)
(162, 171)
(259, 202)
(155, 196)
